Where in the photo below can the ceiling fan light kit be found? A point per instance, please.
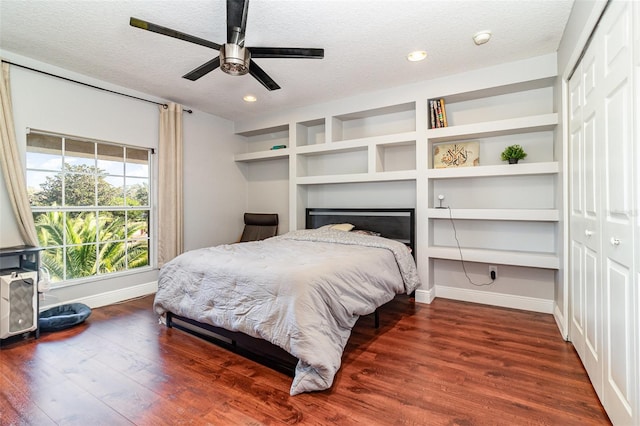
(234, 58)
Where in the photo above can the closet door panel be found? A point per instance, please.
(593, 303)
(593, 319)
(618, 137)
(619, 375)
(577, 333)
(620, 368)
(592, 165)
(586, 326)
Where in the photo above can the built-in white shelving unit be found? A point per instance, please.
(388, 142)
(520, 196)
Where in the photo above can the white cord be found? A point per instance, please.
(44, 283)
(464, 268)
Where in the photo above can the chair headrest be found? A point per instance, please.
(261, 219)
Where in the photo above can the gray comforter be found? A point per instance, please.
(302, 291)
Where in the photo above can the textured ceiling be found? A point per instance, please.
(365, 42)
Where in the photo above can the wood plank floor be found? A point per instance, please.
(448, 363)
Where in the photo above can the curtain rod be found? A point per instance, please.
(165, 106)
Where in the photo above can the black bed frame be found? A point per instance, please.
(393, 223)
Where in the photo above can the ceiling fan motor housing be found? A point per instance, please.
(234, 59)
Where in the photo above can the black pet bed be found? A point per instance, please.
(63, 316)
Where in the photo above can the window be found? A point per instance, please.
(91, 205)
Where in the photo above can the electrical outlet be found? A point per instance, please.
(493, 272)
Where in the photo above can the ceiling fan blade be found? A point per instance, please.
(259, 74)
(139, 23)
(203, 69)
(286, 52)
(237, 18)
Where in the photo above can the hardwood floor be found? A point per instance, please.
(449, 362)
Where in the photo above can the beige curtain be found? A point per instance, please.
(170, 202)
(12, 166)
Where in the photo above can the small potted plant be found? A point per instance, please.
(513, 153)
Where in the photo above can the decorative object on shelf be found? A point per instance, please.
(513, 153)
(278, 147)
(463, 154)
(437, 114)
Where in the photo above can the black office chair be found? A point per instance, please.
(259, 226)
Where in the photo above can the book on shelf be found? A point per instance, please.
(437, 113)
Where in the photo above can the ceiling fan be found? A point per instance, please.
(234, 58)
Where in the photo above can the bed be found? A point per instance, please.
(291, 301)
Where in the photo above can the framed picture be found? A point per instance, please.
(462, 154)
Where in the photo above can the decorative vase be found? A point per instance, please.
(513, 161)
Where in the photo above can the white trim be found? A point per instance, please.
(425, 296)
(561, 322)
(496, 299)
(114, 296)
(580, 45)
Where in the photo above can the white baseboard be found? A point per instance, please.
(424, 296)
(496, 299)
(114, 296)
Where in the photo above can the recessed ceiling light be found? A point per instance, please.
(250, 98)
(417, 55)
(481, 37)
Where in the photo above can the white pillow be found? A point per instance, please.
(339, 226)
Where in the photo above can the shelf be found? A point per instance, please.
(311, 132)
(358, 178)
(397, 138)
(388, 120)
(501, 257)
(262, 155)
(536, 123)
(532, 215)
(500, 170)
(520, 86)
(259, 143)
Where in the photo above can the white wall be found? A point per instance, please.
(215, 189)
(268, 190)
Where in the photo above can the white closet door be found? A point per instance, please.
(585, 234)
(619, 384)
(604, 212)
(618, 245)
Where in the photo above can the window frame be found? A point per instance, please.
(95, 208)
